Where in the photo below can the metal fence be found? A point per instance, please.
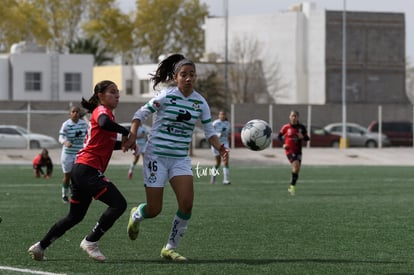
(47, 117)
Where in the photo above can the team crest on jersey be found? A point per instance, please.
(152, 178)
(196, 105)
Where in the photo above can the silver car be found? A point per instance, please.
(13, 136)
(358, 136)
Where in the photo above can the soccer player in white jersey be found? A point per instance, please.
(222, 128)
(71, 136)
(166, 156)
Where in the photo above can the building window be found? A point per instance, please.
(128, 88)
(73, 82)
(33, 81)
(144, 86)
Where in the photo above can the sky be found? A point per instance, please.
(253, 7)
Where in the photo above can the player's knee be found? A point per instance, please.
(122, 206)
(152, 211)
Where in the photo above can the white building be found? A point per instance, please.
(41, 76)
(295, 39)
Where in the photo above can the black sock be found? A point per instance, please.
(294, 178)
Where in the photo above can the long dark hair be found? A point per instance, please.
(168, 68)
(93, 102)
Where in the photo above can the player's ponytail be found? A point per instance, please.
(93, 102)
(166, 69)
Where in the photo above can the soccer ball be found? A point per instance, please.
(256, 135)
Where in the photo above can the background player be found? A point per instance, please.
(71, 136)
(222, 128)
(43, 160)
(292, 135)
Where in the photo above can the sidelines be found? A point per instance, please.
(29, 271)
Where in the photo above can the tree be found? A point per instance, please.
(212, 88)
(169, 26)
(62, 19)
(251, 76)
(112, 28)
(91, 46)
(20, 21)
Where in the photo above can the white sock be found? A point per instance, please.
(65, 192)
(131, 167)
(138, 215)
(178, 228)
(226, 174)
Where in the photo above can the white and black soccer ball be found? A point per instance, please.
(256, 135)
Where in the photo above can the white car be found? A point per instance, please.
(357, 135)
(13, 136)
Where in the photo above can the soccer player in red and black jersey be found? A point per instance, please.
(292, 135)
(88, 180)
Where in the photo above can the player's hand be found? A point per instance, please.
(68, 144)
(285, 146)
(128, 143)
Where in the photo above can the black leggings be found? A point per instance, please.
(88, 183)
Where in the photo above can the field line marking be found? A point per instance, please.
(29, 271)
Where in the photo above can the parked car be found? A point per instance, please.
(357, 135)
(13, 136)
(400, 133)
(319, 137)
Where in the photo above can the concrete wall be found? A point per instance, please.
(375, 57)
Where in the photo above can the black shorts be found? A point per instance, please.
(88, 182)
(292, 157)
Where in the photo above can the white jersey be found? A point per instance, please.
(74, 133)
(222, 129)
(172, 130)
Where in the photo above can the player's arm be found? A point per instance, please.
(282, 138)
(215, 142)
(130, 142)
(107, 124)
(304, 134)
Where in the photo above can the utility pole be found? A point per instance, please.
(344, 140)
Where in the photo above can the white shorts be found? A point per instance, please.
(216, 152)
(141, 147)
(158, 170)
(67, 162)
